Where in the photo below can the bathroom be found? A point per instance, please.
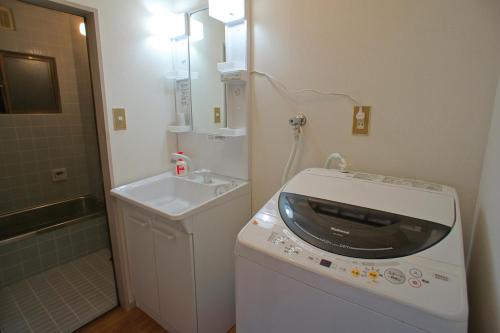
(129, 92)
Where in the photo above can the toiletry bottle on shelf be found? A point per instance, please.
(181, 166)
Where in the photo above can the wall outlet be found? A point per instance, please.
(59, 175)
(217, 115)
(361, 120)
(119, 120)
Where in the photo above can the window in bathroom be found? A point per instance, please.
(28, 84)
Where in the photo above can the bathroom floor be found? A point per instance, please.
(61, 299)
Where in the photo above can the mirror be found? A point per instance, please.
(206, 49)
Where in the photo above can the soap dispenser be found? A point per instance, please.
(180, 166)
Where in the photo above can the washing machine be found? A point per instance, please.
(353, 252)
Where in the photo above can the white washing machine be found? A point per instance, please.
(353, 252)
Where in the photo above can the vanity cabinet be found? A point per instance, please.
(174, 268)
(182, 272)
(161, 270)
(142, 265)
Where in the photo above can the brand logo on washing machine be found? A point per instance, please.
(345, 232)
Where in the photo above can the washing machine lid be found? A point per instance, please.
(363, 219)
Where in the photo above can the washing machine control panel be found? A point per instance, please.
(387, 273)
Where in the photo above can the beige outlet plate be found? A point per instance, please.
(361, 127)
(217, 115)
(119, 119)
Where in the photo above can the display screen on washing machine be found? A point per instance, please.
(357, 232)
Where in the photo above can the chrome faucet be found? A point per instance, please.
(206, 174)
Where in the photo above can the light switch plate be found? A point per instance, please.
(217, 116)
(361, 121)
(119, 119)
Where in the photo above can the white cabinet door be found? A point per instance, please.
(142, 264)
(174, 262)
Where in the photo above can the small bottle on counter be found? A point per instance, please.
(180, 166)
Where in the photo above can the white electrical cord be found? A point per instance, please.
(283, 87)
(297, 135)
(298, 131)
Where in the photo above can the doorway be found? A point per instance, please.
(56, 266)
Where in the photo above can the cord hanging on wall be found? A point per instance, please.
(283, 87)
(299, 121)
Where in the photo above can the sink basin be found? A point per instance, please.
(177, 198)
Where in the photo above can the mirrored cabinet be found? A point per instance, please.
(210, 73)
(208, 92)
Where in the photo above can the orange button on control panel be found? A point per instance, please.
(373, 275)
(355, 272)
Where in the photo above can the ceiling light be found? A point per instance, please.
(83, 30)
(227, 11)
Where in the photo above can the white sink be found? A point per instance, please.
(177, 198)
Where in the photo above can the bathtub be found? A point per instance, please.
(18, 225)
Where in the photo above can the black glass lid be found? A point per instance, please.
(357, 232)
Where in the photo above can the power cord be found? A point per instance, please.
(283, 87)
(300, 120)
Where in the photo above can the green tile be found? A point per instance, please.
(79, 249)
(28, 253)
(64, 255)
(63, 241)
(31, 267)
(77, 227)
(47, 246)
(78, 236)
(49, 260)
(26, 242)
(9, 259)
(8, 248)
(61, 232)
(45, 236)
(94, 244)
(91, 231)
(12, 274)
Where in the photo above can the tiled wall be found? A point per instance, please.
(32, 145)
(24, 258)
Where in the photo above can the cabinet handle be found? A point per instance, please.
(169, 236)
(166, 235)
(139, 222)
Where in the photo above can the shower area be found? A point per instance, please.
(56, 271)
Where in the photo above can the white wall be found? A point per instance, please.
(484, 268)
(134, 66)
(228, 157)
(427, 68)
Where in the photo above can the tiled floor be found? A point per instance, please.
(60, 299)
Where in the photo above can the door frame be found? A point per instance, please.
(120, 263)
